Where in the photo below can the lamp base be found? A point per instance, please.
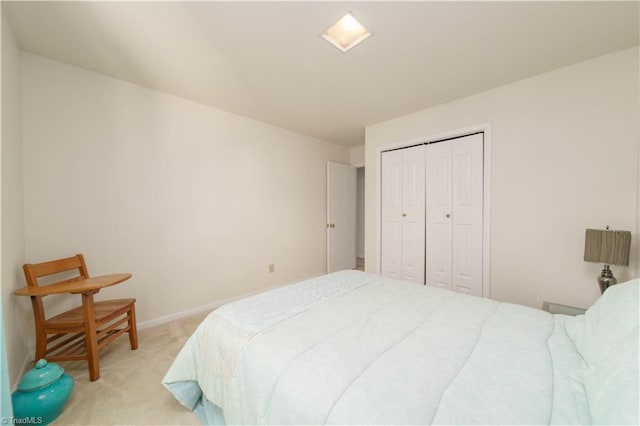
(606, 279)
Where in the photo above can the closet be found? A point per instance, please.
(432, 214)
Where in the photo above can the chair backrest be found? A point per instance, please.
(33, 271)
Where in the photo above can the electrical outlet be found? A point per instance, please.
(272, 267)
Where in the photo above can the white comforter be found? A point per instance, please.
(356, 348)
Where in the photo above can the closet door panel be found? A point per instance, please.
(413, 214)
(391, 214)
(438, 214)
(461, 266)
(467, 214)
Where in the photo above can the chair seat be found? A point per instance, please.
(104, 311)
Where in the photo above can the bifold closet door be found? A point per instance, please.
(454, 188)
(439, 224)
(403, 214)
(391, 214)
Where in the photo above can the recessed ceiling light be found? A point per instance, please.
(346, 33)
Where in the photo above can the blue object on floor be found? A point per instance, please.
(42, 393)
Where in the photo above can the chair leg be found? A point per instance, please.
(41, 334)
(41, 346)
(133, 328)
(90, 336)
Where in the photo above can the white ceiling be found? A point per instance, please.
(267, 61)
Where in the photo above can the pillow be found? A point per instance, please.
(613, 387)
(607, 323)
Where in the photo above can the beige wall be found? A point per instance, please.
(564, 158)
(194, 201)
(357, 156)
(17, 316)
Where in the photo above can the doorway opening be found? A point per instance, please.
(360, 174)
(345, 216)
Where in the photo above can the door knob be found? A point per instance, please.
(447, 215)
(404, 215)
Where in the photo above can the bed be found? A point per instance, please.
(357, 348)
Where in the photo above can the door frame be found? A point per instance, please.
(486, 187)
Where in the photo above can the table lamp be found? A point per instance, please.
(609, 247)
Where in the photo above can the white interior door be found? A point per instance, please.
(454, 182)
(467, 204)
(341, 217)
(438, 194)
(402, 215)
(413, 199)
(391, 214)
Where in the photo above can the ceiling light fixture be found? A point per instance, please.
(346, 33)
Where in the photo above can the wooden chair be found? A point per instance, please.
(81, 332)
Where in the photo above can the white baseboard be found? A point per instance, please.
(209, 307)
(179, 315)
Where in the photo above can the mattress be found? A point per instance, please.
(357, 348)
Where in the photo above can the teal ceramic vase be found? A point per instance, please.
(42, 394)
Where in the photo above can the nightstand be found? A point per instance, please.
(556, 308)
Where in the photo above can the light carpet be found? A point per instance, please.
(129, 391)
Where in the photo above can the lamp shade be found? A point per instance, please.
(607, 246)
